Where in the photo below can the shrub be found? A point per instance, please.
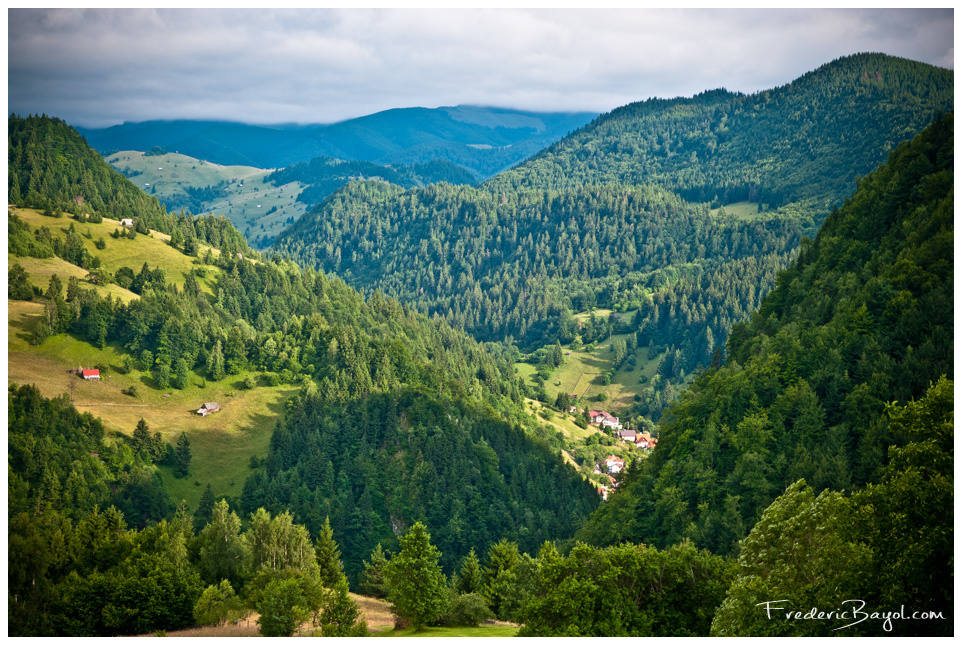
(466, 610)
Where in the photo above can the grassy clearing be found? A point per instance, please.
(599, 313)
(747, 211)
(249, 197)
(121, 252)
(561, 422)
(583, 375)
(221, 444)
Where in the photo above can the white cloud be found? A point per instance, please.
(96, 67)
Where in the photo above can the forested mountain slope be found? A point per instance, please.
(572, 228)
(862, 319)
(50, 166)
(805, 140)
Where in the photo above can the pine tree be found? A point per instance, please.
(182, 455)
(372, 578)
(417, 584)
(328, 555)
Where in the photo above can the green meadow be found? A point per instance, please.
(248, 197)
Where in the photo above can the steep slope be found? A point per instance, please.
(862, 319)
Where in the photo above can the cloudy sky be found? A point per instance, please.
(100, 67)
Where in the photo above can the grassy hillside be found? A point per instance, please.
(256, 207)
(222, 444)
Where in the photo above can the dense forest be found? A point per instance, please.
(323, 175)
(808, 401)
(585, 224)
(517, 266)
(806, 141)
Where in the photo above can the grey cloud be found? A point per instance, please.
(98, 67)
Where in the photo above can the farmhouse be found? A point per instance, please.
(612, 464)
(645, 440)
(208, 408)
(604, 419)
(615, 464)
(90, 375)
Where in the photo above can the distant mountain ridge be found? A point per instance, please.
(483, 140)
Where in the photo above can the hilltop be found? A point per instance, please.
(482, 140)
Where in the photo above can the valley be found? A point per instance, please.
(399, 363)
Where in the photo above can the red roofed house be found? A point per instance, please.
(614, 464)
(604, 419)
(90, 375)
(645, 440)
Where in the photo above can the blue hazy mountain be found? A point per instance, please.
(483, 140)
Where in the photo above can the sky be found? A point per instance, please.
(96, 68)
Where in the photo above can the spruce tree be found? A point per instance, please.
(469, 580)
(182, 455)
(417, 584)
(372, 578)
(328, 556)
(205, 509)
(141, 436)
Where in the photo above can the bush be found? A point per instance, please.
(282, 608)
(217, 605)
(466, 610)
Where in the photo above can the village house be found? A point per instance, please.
(646, 441)
(208, 408)
(626, 435)
(604, 419)
(90, 375)
(612, 465)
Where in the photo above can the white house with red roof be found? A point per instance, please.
(604, 419)
(90, 375)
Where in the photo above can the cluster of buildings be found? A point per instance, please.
(612, 465)
(604, 419)
(639, 439)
